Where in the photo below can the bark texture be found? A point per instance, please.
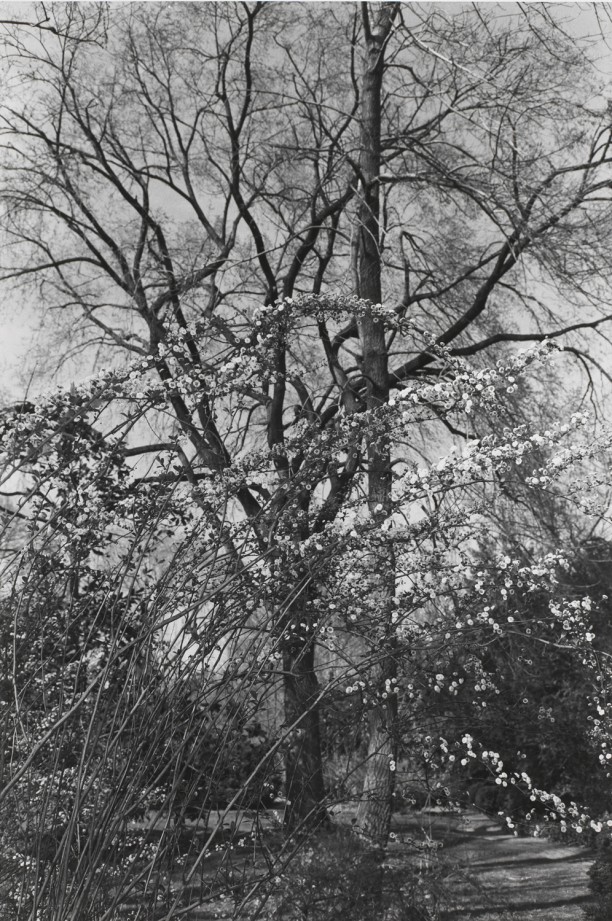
(374, 812)
(303, 764)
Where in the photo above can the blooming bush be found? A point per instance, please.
(522, 687)
(177, 626)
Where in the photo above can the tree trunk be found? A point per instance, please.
(374, 814)
(304, 785)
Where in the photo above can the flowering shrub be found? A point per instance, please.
(521, 686)
(165, 596)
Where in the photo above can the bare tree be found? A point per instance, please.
(172, 167)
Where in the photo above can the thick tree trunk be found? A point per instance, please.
(304, 784)
(305, 789)
(374, 812)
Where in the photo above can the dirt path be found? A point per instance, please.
(496, 877)
(484, 874)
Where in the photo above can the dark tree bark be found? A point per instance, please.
(305, 786)
(374, 814)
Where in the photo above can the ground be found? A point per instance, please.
(495, 876)
(480, 872)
